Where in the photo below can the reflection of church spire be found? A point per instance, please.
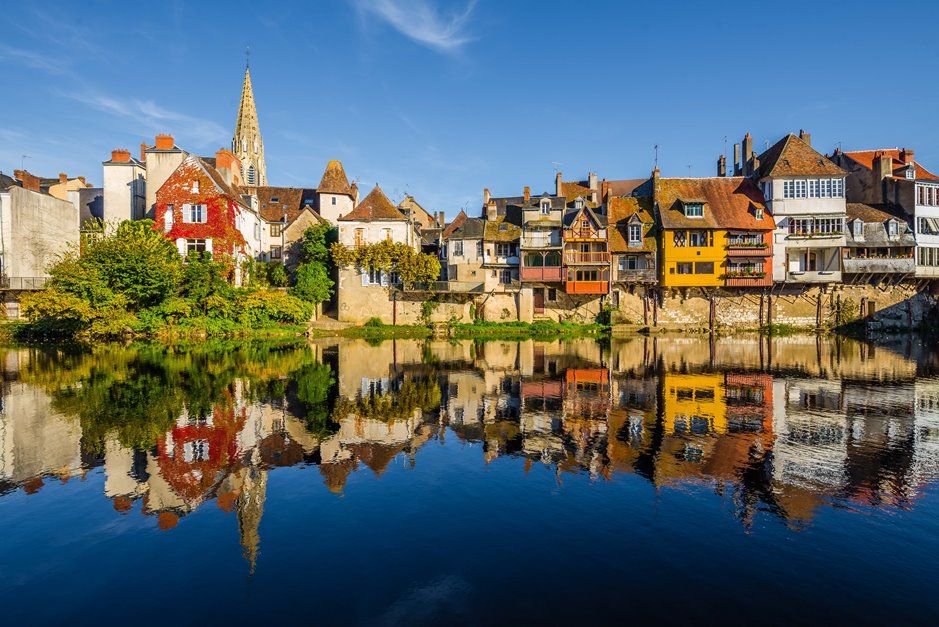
(250, 509)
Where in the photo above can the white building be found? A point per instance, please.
(124, 187)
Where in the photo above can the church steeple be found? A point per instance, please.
(246, 142)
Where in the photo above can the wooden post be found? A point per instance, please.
(818, 311)
(762, 298)
(769, 309)
(711, 312)
(645, 307)
(838, 308)
(655, 309)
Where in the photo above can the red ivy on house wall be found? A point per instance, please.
(221, 212)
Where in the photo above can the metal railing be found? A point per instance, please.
(465, 287)
(23, 282)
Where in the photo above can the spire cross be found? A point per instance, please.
(247, 56)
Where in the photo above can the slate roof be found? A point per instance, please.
(729, 203)
(471, 228)
(875, 219)
(622, 187)
(791, 156)
(375, 206)
(623, 211)
(504, 202)
(334, 180)
(274, 201)
(866, 159)
(6, 182)
(413, 209)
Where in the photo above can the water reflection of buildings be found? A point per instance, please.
(784, 427)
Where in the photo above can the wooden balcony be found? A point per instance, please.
(595, 258)
(543, 274)
(644, 275)
(758, 279)
(584, 234)
(587, 287)
(748, 250)
(535, 241)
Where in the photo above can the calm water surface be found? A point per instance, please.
(670, 480)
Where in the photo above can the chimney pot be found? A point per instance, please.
(558, 185)
(722, 166)
(906, 156)
(806, 137)
(120, 155)
(737, 167)
(485, 195)
(63, 177)
(527, 193)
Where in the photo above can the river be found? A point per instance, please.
(667, 480)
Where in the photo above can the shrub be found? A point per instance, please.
(313, 283)
(264, 307)
(374, 323)
(276, 275)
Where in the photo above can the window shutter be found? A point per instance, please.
(364, 278)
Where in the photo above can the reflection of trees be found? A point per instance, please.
(400, 404)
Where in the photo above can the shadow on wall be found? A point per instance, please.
(918, 312)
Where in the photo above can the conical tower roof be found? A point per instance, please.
(334, 180)
(247, 120)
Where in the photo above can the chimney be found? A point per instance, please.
(722, 166)
(806, 137)
(81, 179)
(592, 185)
(558, 186)
(63, 177)
(143, 151)
(881, 168)
(355, 194)
(224, 163)
(737, 169)
(120, 155)
(491, 211)
(656, 192)
(165, 142)
(906, 156)
(527, 194)
(604, 190)
(28, 181)
(485, 196)
(747, 154)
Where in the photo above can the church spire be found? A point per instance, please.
(246, 142)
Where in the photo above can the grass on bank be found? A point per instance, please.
(374, 329)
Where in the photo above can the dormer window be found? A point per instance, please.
(275, 199)
(758, 213)
(858, 228)
(694, 209)
(892, 228)
(911, 173)
(579, 203)
(545, 206)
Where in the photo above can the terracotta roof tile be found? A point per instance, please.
(375, 206)
(574, 189)
(453, 226)
(334, 180)
(866, 159)
(273, 202)
(729, 203)
(791, 156)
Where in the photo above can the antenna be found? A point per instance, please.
(725, 146)
(656, 148)
(689, 170)
(765, 144)
(23, 159)
(247, 57)
(557, 166)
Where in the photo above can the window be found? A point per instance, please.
(829, 226)
(683, 268)
(788, 189)
(195, 246)
(195, 187)
(194, 214)
(837, 189)
(275, 252)
(585, 224)
(800, 226)
(505, 276)
(373, 277)
(168, 219)
(758, 213)
(386, 234)
(800, 188)
(678, 239)
(332, 200)
(552, 295)
(458, 248)
(257, 231)
(858, 228)
(276, 230)
(892, 228)
(505, 250)
(275, 199)
(359, 238)
(635, 234)
(479, 248)
(911, 173)
(629, 262)
(704, 267)
(587, 275)
(694, 210)
(545, 206)
(813, 188)
(699, 239)
(812, 262)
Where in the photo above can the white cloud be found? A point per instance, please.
(422, 21)
(155, 119)
(30, 59)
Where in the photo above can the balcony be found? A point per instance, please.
(748, 250)
(535, 241)
(595, 257)
(543, 274)
(643, 275)
(748, 279)
(459, 287)
(827, 276)
(928, 272)
(886, 265)
(17, 283)
(584, 234)
(588, 287)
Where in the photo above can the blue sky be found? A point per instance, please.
(441, 99)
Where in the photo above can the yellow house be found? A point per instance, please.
(691, 245)
(694, 404)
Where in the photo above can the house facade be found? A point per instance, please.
(880, 246)
(586, 254)
(633, 246)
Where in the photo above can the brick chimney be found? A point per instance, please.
(656, 187)
(491, 211)
(558, 185)
(485, 196)
(806, 137)
(881, 168)
(143, 151)
(738, 170)
(906, 156)
(527, 194)
(164, 142)
(593, 187)
(722, 166)
(81, 179)
(120, 155)
(604, 190)
(63, 177)
(28, 181)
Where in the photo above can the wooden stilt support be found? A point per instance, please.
(769, 309)
(818, 311)
(655, 309)
(762, 299)
(645, 307)
(712, 311)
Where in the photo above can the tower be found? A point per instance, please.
(247, 143)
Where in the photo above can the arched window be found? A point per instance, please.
(552, 259)
(533, 260)
(244, 145)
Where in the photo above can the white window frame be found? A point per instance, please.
(191, 212)
(634, 235)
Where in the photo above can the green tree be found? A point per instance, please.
(315, 243)
(312, 279)
(313, 283)
(276, 275)
(203, 278)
